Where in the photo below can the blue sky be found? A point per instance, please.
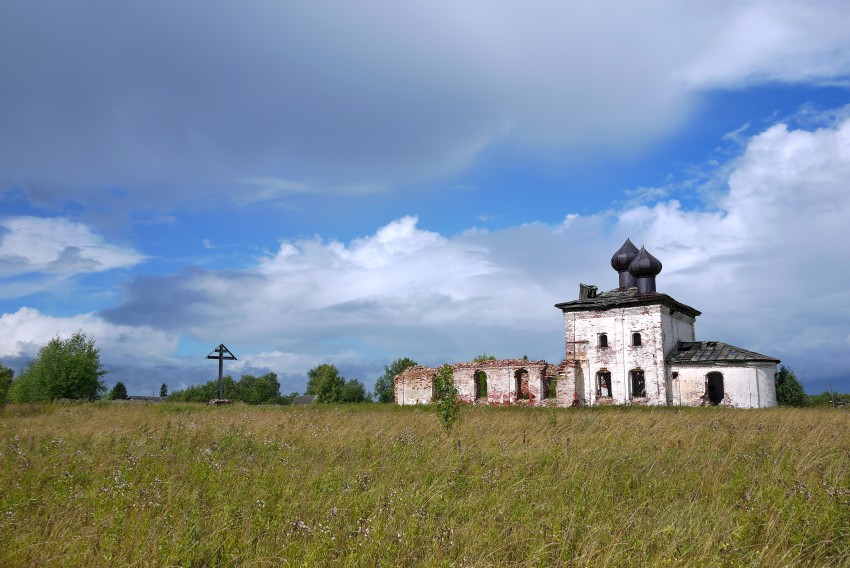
(326, 182)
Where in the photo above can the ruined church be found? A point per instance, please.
(631, 345)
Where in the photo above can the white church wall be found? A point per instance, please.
(620, 356)
(744, 386)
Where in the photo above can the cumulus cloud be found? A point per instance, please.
(276, 99)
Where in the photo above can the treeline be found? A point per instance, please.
(264, 389)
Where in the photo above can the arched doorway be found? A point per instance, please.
(521, 384)
(714, 387)
(480, 385)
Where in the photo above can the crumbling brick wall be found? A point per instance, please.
(508, 381)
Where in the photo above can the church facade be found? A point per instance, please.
(629, 346)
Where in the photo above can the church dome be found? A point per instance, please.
(624, 257)
(644, 265)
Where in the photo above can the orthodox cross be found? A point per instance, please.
(222, 353)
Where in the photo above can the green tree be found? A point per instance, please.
(6, 375)
(445, 397)
(118, 392)
(68, 368)
(789, 391)
(326, 383)
(163, 390)
(384, 386)
(484, 357)
(353, 391)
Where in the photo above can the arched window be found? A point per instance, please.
(480, 379)
(714, 387)
(603, 340)
(603, 384)
(636, 342)
(637, 383)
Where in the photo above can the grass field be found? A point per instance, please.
(117, 484)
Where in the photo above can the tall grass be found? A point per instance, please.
(117, 484)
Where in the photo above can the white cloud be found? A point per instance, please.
(39, 253)
(57, 245)
(24, 332)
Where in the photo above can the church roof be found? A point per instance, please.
(706, 352)
(622, 298)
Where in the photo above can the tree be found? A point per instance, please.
(789, 391)
(445, 397)
(6, 375)
(384, 386)
(68, 368)
(353, 391)
(258, 390)
(484, 357)
(163, 390)
(118, 392)
(326, 383)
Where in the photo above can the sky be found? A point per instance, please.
(350, 183)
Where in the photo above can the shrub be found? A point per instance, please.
(445, 397)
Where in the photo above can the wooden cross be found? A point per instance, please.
(221, 350)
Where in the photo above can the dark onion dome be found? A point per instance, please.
(645, 265)
(624, 257)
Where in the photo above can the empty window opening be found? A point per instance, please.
(638, 384)
(550, 387)
(603, 340)
(636, 339)
(714, 387)
(521, 384)
(480, 385)
(603, 384)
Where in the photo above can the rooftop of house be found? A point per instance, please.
(624, 297)
(704, 352)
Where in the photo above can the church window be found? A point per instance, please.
(637, 383)
(603, 384)
(603, 340)
(636, 339)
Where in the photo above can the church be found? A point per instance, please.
(630, 345)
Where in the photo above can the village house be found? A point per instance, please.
(631, 345)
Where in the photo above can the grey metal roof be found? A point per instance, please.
(625, 297)
(708, 352)
(304, 399)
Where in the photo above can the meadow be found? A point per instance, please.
(179, 484)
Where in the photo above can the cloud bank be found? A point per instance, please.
(162, 102)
